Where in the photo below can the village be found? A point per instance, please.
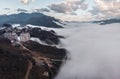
(11, 35)
(18, 34)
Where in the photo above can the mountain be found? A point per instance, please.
(37, 19)
(31, 62)
(30, 59)
(108, 21)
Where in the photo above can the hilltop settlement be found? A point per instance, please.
(24, 58)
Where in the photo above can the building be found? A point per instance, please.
(24, 37)
(11, 35)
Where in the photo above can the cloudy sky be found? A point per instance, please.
(67, 10)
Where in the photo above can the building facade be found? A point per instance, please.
(11, 35)
(24, 37)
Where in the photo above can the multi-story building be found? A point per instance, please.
(24, 37)
(11, 35)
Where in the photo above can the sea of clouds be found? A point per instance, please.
(94, 51)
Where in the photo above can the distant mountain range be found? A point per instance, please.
(37, 19)
(108, 21)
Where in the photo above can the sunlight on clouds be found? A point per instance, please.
(68, 6)
(77, 10)
(26, 1)
(111, 7)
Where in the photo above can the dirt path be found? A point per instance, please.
(28, 70)
(32, 52)
(39, 61)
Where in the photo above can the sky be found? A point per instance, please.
(66, 10)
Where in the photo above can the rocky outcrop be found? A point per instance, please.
(49, 37)
(6, 25)
(29, 60)
(46, 51)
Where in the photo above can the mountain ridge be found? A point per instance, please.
(35, 18)
(107, 21)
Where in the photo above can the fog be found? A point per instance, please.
(94, 51)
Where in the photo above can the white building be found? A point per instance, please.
(11, 35)
(24, 37)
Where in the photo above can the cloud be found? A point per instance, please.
(21, 10)
(26, 1)
(84, 6)
(94, 51)
(42, 10)
(6, 8)
(109, 8)
(68, 7)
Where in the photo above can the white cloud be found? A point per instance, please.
(84, 6)
(109, 8)
(40, 10)
(68, 7)
(94, 51)
(76, 10)
(26, 1)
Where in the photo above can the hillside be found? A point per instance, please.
(30, 59)
(38, 19)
